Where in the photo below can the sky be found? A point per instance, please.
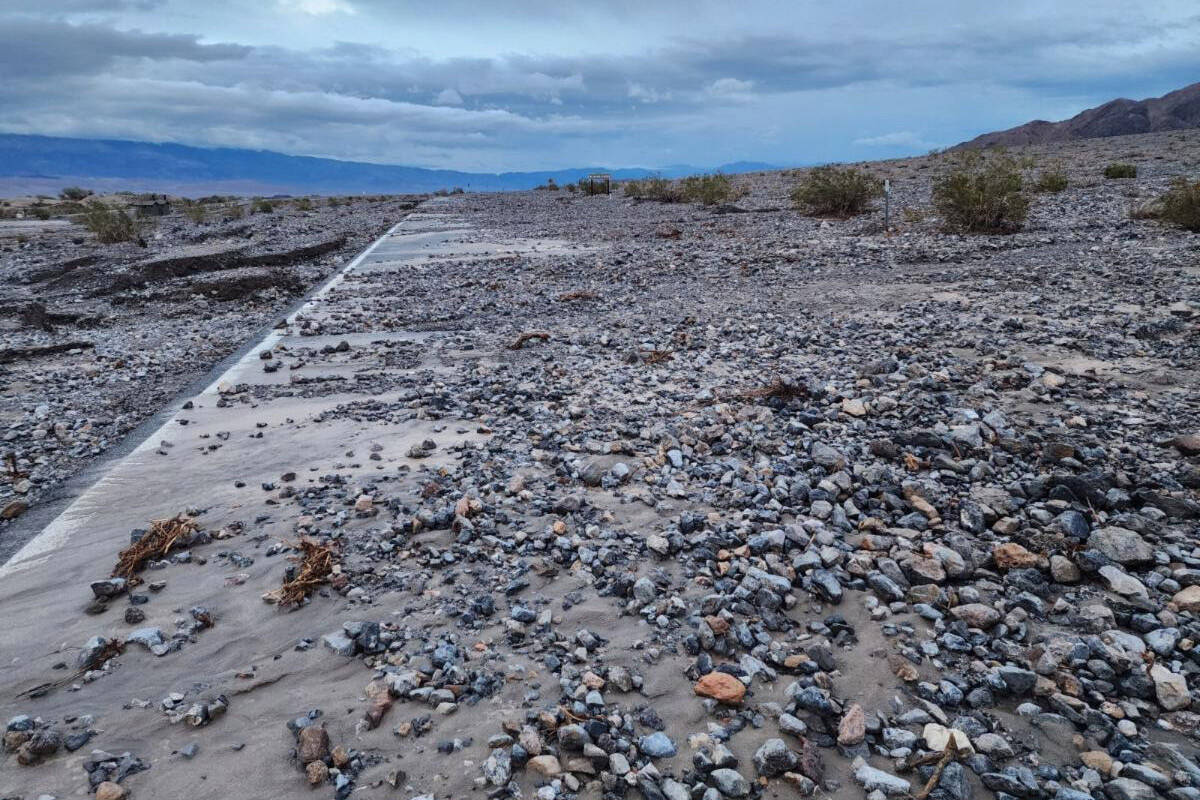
(549, 84)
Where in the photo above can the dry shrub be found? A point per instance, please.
(75, 193)
(836, 191)
(982, 194)
(111, 225)
(520, 341)
(657, 356)
(709, 190)
(1119, 170)
(1051, 181)
(315, 565)
(779, 388)
(1181, 204)
(164, 534)
(655, 188)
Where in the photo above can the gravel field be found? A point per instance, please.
(627, 499)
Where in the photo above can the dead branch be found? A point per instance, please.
(163, 535)
(527, 336)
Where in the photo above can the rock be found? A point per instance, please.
(1188, 599)
(312, 744)
(1011, 555)
(1098, 760)
(107, 790)
(547, 766)
(1121, 545)
(1170, 688)
(108, 589)
(937, 737)
(1063, 570)
(1122, 582)
(774, 758)
(1186, 443)
(722, 687)
(317, 772)
(1129, 789)
(873, 779)
(657, 745)
(853, 727)
(977, 615)
(730, 782)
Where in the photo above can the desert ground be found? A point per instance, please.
(588, 496)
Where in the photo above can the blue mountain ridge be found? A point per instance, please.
(47, 157)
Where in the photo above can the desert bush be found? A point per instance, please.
(1180, 205)
(111, 225)
(235, 211)
(194, 211)
(654, 188)
(40, 212)
(1051, 180)
(455, 190)
(261, 205)
(1150, 210)
(982, 194)
(1118, 170)
(75, 193)
(836, 191)
(708, 190)
(572, 188)
(303, 204)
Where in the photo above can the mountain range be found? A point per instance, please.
(47, 163)
(1178, 110)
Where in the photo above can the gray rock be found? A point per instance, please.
(730, 782)
(1121, 545)
(657, 745)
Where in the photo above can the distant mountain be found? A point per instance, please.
(1178, 110)
(28, 163)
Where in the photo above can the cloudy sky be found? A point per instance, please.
(533, 84)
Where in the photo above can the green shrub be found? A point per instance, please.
(235, 211)
(261, 205)
(982, 194)
(708, 190)
(303, 204)
(75, 193)
(195, 212)
(836, 191)
(40, 212)
(111, 225)
(1181, 204)
(1051, 181)
(1120, 171)
(654, 188)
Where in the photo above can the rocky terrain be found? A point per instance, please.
(95, 338)
(597, 498)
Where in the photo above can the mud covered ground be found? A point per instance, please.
(663, 501)
(95, 338)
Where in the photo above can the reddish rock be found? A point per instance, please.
(722, 687)
(1011, 555)
(853, 727)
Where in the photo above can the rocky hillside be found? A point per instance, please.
(1179, 110)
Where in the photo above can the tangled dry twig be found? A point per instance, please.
(163, 535)
(528, 336)
(780, 387)
(315, 566)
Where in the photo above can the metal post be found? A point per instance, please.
(887, 205)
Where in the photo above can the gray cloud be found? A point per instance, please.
(773, 84)
(45, 48)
